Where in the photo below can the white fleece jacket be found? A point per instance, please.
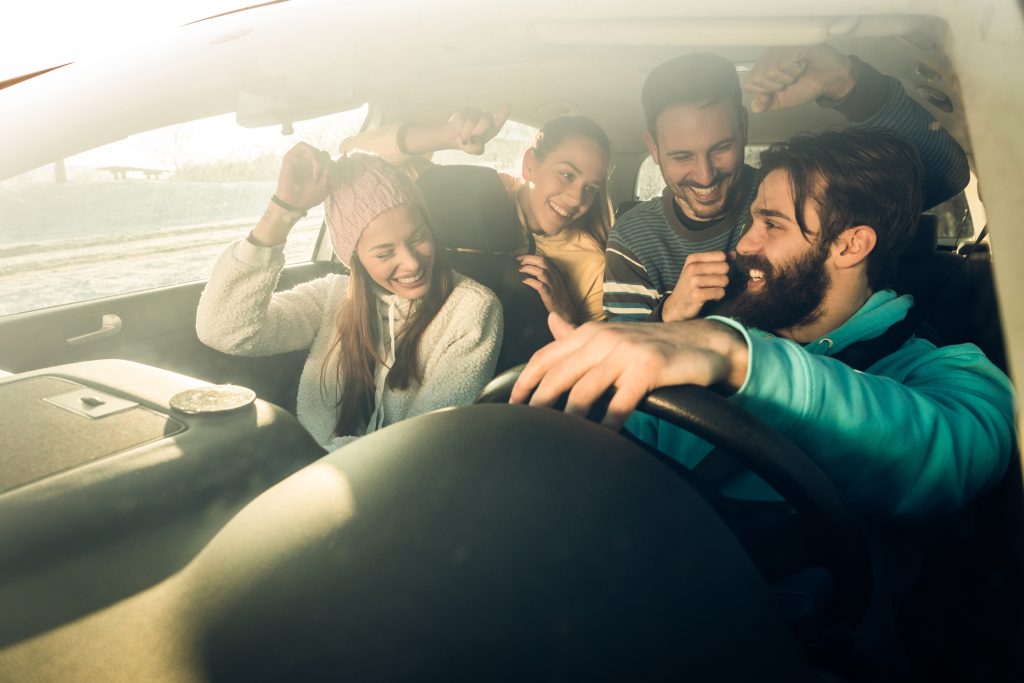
(239, 313)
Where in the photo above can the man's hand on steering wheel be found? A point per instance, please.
(637, 358)
(634, 358)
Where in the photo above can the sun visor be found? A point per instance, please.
(255, 111)
(295, 87)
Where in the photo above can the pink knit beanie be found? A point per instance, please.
(364, 187)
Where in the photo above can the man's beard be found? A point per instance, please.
(791, 296)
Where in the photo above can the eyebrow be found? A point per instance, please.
(772, 213)
(390, 245)
(579, 172)
(731, 138)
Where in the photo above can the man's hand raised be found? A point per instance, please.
(787, 77)
(704, 278)
(634, 358)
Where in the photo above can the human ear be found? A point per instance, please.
(652, 146)
(529, 164)
(853, 246)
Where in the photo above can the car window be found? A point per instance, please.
(961, 217)
(956, 216)
(151, 210)
(504, 153)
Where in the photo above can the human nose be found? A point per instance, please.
(751, 241)
(576, 195)
(704, 171)
(407, 258)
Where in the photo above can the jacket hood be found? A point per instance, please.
(880, 312)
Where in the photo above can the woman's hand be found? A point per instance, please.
(303, 183)
(471, 129)
(545, 278)
(303, 179)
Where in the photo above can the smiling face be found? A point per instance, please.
(780, 276)
(699, 149)
(561, 187)
(397, 251)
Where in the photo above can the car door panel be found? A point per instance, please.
(155, 327)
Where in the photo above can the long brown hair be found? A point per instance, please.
(597, 222)
(356, 342)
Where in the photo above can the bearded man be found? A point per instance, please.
(914, 436)
(666, 258)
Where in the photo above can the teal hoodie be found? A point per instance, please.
(920, 433)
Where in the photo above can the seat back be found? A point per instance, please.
(623, 208)
(955, 293)
(473, 219)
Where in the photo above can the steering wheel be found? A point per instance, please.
(832, 529)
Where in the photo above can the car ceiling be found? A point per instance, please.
(290, 61)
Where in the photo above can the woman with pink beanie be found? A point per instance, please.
(401, 335)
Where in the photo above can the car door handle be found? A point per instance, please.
(110, 325)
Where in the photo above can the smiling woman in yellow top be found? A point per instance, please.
(561, 197)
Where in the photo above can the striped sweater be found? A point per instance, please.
(648, 246)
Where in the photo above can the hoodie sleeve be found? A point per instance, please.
(467, 356)
(906, 449)
(240, 314)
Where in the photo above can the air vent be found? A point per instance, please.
(927, 73)
(936, 98)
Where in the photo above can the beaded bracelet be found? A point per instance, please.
(299, 213)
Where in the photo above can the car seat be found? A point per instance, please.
(954, 293)
(623, 208)
(472, 217)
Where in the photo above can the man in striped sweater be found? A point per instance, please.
(667, 257)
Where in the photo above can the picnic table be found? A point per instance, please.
(121, 172)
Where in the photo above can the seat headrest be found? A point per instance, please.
(470, 209)
(925, 239)
(625, 206)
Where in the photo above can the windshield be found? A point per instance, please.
(41, 35)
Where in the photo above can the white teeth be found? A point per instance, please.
(410, 279)
(704, 192)
(756, 274)
(559, 210)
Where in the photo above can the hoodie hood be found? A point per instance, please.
(880, 312)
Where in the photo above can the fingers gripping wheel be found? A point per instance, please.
(832, 529)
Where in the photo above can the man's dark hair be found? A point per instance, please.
(855, 177)
(702, 78)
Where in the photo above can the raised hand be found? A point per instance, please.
(302, 184)
(545, 278)
(704, 278)
(790, 76)
(471, 129)
(303, 179)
